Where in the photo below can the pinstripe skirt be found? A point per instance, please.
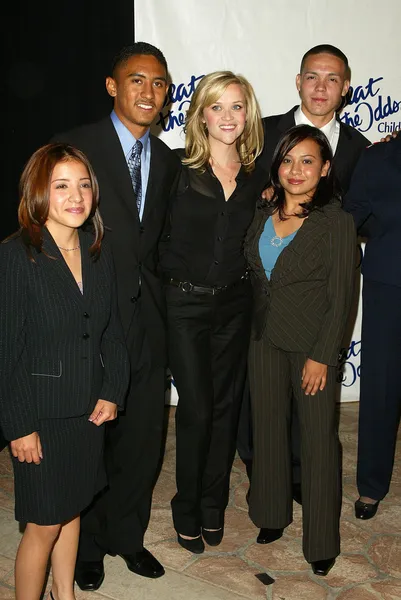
(68, 477)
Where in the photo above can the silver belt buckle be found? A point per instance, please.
(186, 286)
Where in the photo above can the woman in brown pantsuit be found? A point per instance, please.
(301, 250)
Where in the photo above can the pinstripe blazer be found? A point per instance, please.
(60, 350)
(305, 305)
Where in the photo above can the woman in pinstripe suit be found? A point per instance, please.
(63, 363)
(301, 251)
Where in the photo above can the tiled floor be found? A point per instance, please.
(369, 567)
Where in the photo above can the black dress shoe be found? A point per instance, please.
(297, 493)
(196, 546)
(365, 511)
(89, 575)
(266, 535)
(213, 538)
(143, 563)
(322, 567)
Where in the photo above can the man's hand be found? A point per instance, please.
(390, 136)
(267, 194)
(103, 411)
(28, 448)
(314, 375)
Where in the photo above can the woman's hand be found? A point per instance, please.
(267, 194)
(314, 375)
(103, 411)
(28, 448)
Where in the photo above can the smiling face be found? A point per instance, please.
(225, 119)
(70, 197)
(321, 85)
(139, 87)
(301, 170)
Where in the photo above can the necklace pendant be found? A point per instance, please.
(276, 241)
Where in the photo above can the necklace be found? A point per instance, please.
(69, 249)
(276, 241)
(230, 177)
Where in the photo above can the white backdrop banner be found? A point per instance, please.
(264, 40)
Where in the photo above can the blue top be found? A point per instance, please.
(271, 246)
(127, 141)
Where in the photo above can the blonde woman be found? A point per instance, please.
(209, 296)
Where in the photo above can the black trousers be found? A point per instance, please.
(118, 518)
(208, 344)
(275, 377)
(380, 392)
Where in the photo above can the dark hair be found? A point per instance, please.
(133, 50)
(327, 188)
(34, 189)
(327, 49)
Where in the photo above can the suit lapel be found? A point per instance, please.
(287, 120)
(295, 251)
(55, 265)
(114, 162)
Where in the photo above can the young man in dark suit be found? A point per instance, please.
(322, 84)
(137, 174)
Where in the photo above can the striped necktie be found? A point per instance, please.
(134, 166)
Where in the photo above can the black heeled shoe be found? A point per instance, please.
(322, 567)
(213, 538)
(196, 546)
(267, 535)
(51, 595)
(365, 511)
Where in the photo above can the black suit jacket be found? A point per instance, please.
(305, 305)
(134, 243)
(375, 195)
(350, 145)
(60, 350)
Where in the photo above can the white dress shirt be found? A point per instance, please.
(331, 130)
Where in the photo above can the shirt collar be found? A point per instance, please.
(302, 119)
(126, 138)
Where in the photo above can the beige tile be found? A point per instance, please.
(353, 538)
(383, 590)
(160, 526)
(238, 531)
(283, 555)
(172, 555)
(6, 593)
(385, 552)
(120, 584)
(239, 498)
(297, 587)
(164, 490)
(231, 573)
(6, 567)
(9, 534)
(387, 519)
(350, 569)
(5, 464)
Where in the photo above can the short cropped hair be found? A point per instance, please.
(135, 49)
(327, 49)
(209, 90)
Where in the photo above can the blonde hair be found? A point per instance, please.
(209, 90)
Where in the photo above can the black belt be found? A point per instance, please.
(187, 286)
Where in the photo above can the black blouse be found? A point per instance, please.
(203, 242)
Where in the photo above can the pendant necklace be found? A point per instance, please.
(230, 177)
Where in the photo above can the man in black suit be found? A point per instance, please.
(322, 84)
(137, 174)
